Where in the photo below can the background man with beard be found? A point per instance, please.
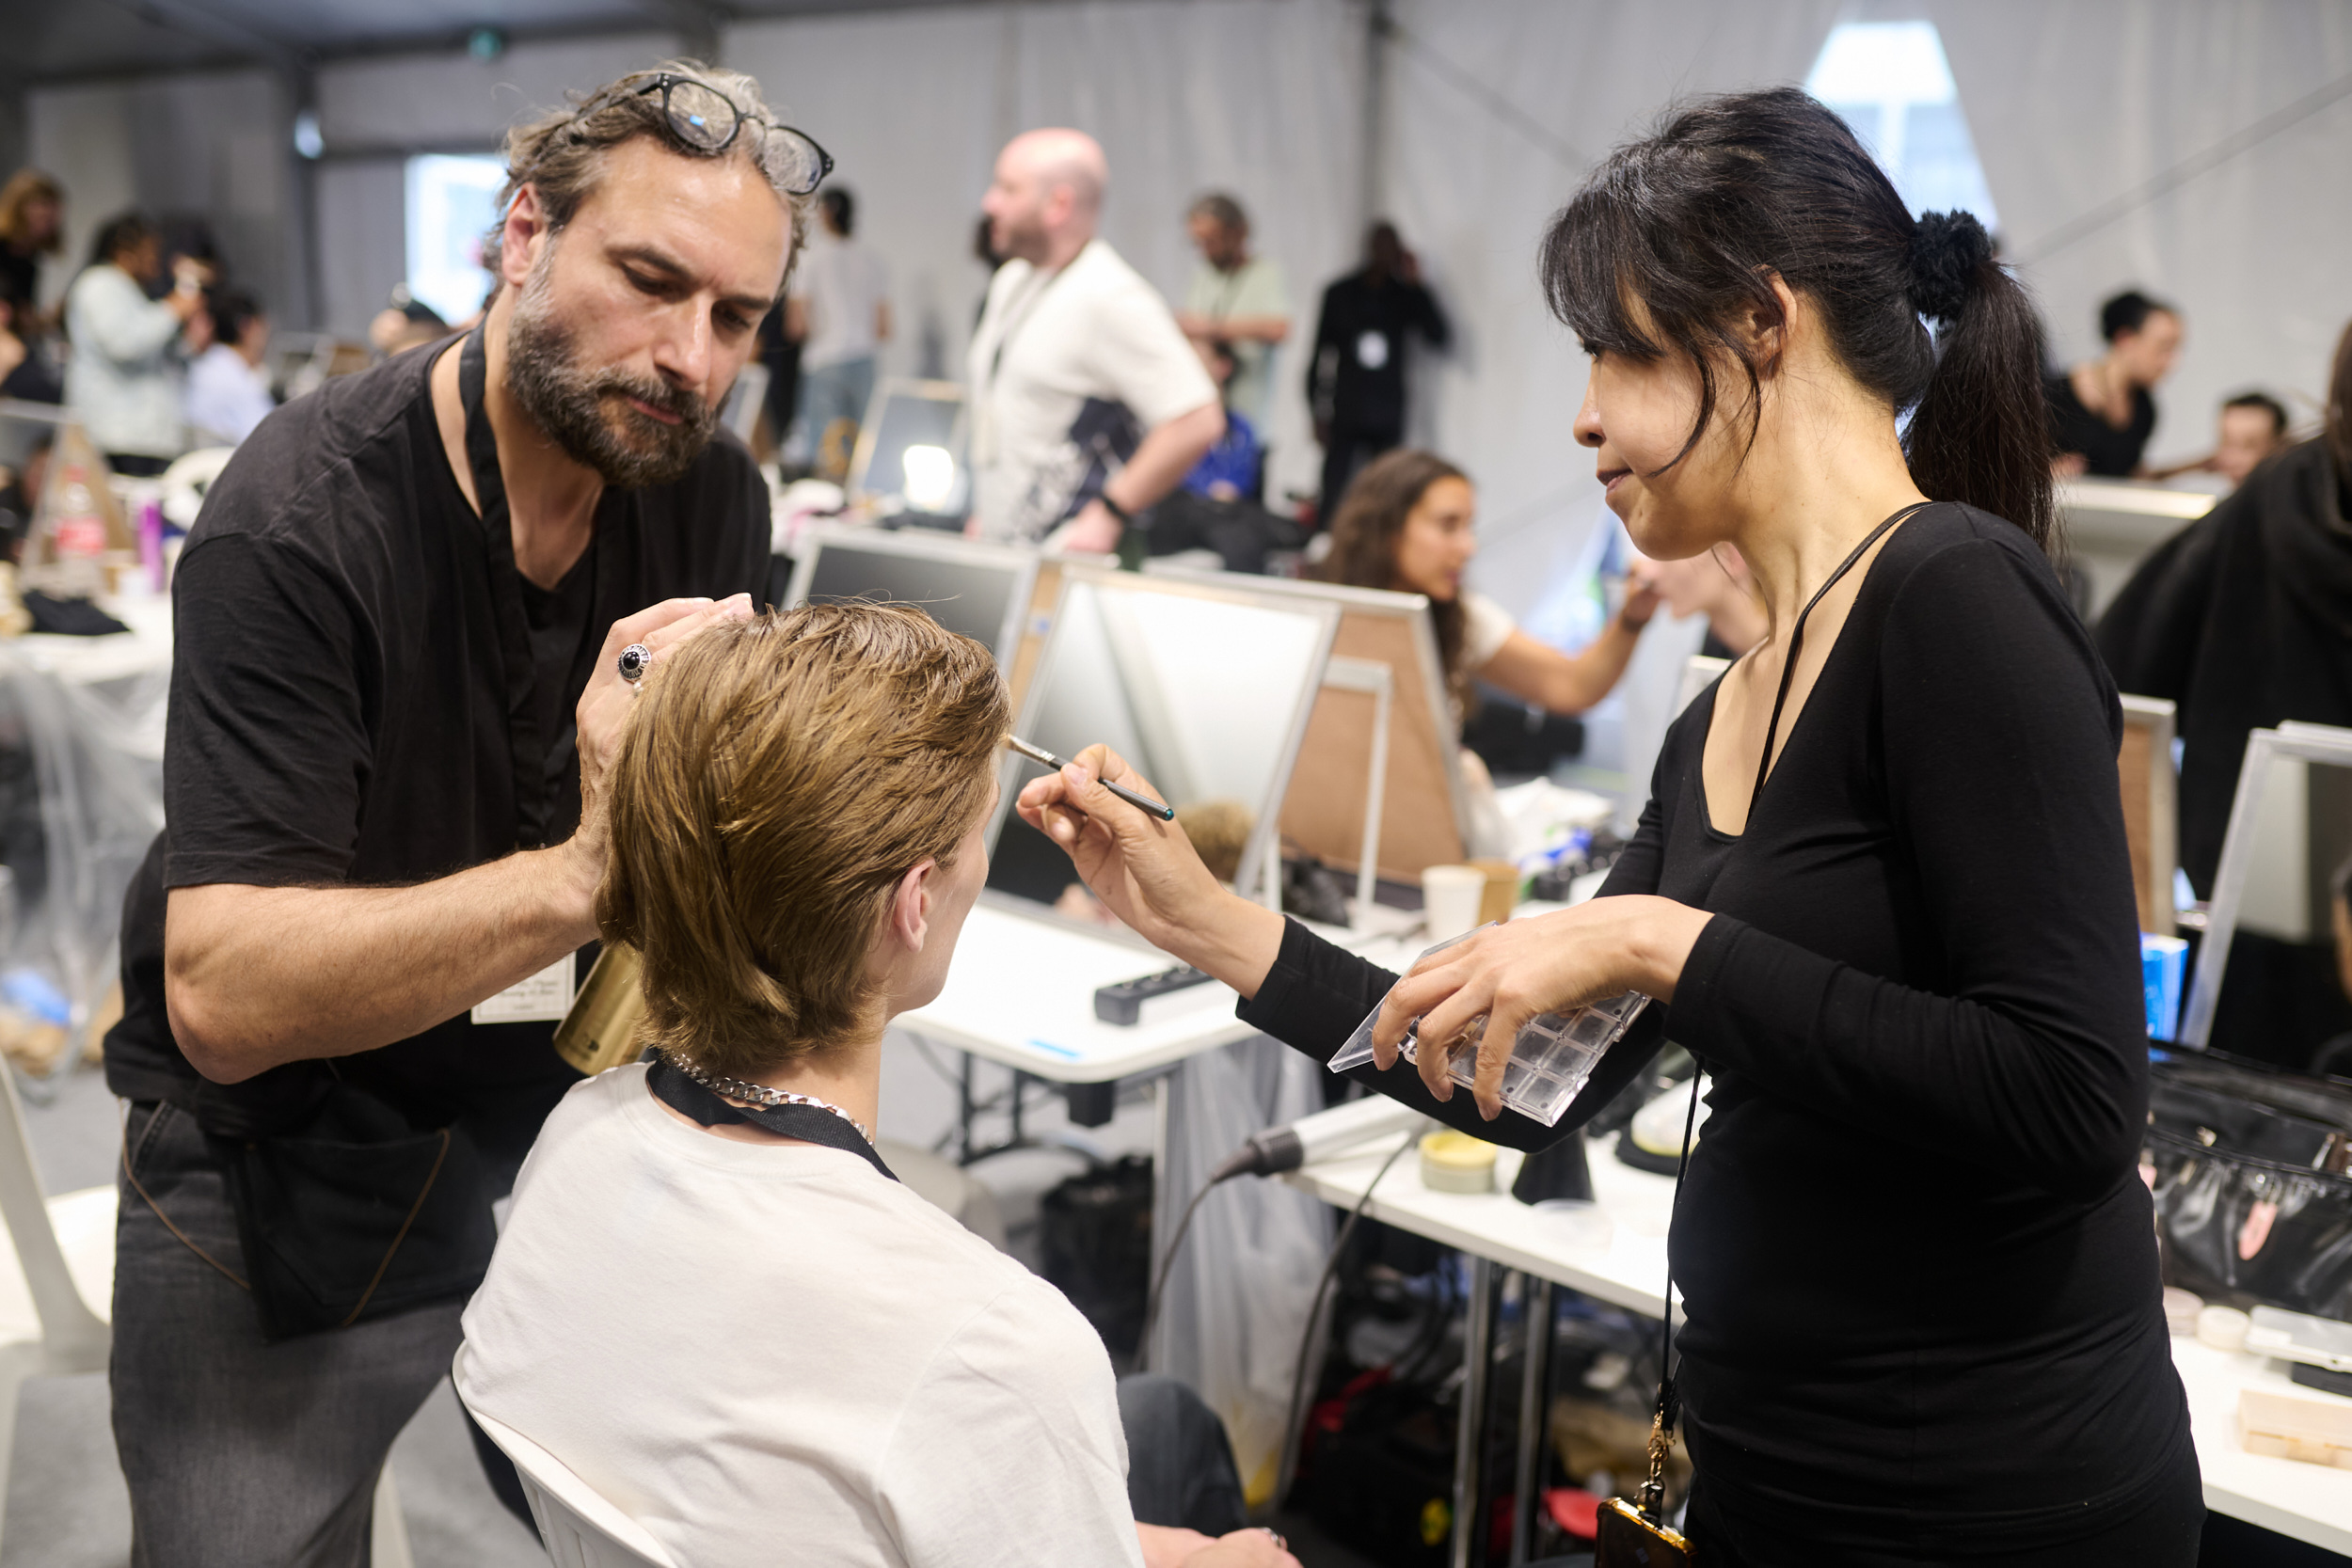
(394, 695)
(1087, 405)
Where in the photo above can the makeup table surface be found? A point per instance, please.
(1020, 993)
(1619, 1255)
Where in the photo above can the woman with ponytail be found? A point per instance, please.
(1881, 885)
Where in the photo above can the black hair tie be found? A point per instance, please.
(1946, 252)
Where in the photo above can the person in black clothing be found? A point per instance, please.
(1880, 886)
(25, 372)
(2102, 411)
(2239, 621)
(393, 697)
(32, 227)
(1356, 375)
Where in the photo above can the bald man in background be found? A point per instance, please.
(1088, 403)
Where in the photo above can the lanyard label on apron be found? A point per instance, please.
(533, 802)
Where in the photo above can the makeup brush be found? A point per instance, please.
(1044, 758)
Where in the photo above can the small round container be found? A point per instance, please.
(1456, 1162)
(2180, 1309)
(1578, 1221)
(2223, 1327)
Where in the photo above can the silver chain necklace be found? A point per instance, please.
(760, 1094)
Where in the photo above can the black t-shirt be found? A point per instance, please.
(1919, 1264)
(2110, 452)
(338, 709)
(20, 276)
(1355, 374)
(33, 381)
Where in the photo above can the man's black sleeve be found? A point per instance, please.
(1320, 380)
(1429, 317)
(267, 748)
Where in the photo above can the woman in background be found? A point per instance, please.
(1409, 522)
(32, 227)
(2102, 412)
(123, 379)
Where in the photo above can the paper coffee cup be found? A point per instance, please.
(1501, 895)
(1450, 896)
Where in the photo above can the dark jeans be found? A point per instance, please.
(1343, 454)
(1180, 1467)
(239, 1452)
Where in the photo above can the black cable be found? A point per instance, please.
(1168, 1261)
(1269, 1152)
(1291, 1434)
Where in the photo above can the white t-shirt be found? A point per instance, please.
(765, 1353)
(1486, 627)
(1067, 371)
(842, 285)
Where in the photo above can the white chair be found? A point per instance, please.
(53, 1313)
(578, 1527)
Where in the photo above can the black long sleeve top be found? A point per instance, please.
(1356, 371)
(1918, 1265)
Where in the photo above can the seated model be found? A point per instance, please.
(758, 1343)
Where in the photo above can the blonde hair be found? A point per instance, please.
(775, 781)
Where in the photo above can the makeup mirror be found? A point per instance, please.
(979, 591)
(1204, 688)
(1423, 812)
(908, 457)
(2272, 980)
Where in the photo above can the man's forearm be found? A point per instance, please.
(1255, 329)
(1168, 452)
(257, 976)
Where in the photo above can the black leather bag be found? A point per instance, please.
(354, 1215)
(2252, 1181)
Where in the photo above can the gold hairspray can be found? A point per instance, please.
(601, 1031)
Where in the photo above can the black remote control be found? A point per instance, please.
(1123, 1003)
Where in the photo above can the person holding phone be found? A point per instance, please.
(1881, 885)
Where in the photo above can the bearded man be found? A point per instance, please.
(393, 699)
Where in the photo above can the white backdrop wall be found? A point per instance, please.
(2078, 103)
(409, 102)
(1494, 113)
(1262, 97)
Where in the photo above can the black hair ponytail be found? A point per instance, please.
(1981, 431)
(1693, 221)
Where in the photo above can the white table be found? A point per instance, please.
(2307, 1502)
(1020, 993)
(2310, 1502)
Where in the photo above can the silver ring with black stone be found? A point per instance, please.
(635, 661)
